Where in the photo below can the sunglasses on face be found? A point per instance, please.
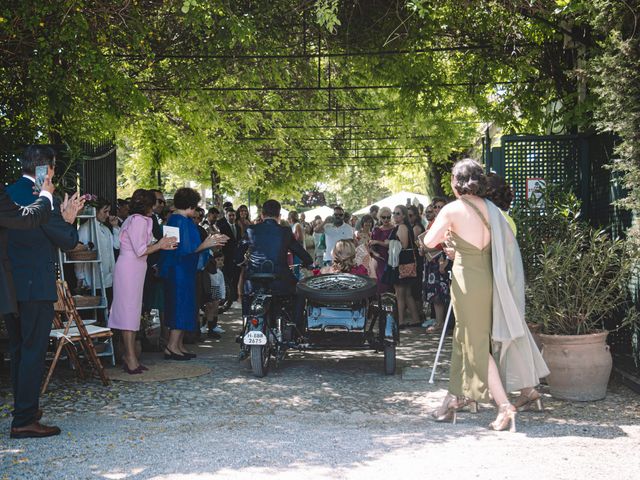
(385, 217)
(437, 207)
(397, 213)
(338, 214)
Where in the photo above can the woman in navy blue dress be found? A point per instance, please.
(178, 268)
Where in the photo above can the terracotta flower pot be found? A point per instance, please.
(580, 365)
(535, 329)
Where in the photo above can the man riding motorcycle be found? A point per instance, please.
(264, 249)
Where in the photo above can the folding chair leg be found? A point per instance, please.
(52, 367)
(94, 360)
(74, 359)
(85, 339)
(113, 352)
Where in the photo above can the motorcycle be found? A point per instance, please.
(267, 328)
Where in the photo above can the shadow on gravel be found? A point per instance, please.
(325, 413)
(574, 429)
(337, 451)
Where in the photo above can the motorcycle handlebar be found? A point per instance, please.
(300, 265)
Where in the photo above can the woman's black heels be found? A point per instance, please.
(174, 356)
(136, 371)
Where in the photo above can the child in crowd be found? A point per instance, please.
(217, 294)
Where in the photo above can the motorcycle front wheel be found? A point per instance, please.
(260, 360)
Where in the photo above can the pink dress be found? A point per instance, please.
(129, 273)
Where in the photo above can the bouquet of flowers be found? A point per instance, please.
(90, 199)
(90, 203)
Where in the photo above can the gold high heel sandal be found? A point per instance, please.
(506, 418)
(526, 401)
(450, 405)
(467, 402)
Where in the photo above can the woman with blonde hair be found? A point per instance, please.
(344, 259)
(379, 246)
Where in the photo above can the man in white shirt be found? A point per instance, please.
(332, 233)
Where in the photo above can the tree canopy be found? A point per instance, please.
(277, 96)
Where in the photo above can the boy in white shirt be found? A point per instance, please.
(217, 294)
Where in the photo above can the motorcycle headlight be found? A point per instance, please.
(257, 308)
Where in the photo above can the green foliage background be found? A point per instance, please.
(156, 75)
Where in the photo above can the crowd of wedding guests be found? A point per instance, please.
(191, 279)
(422, 290)
(180, 260)
(419, 276)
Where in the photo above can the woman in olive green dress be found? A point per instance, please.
(474, 376)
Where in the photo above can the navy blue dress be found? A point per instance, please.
(178, 268)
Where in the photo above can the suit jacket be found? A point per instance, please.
(268, 244)
(16, 217)
(156, 229)
(229, 248)
(33, 253)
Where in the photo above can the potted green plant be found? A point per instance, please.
(577, 278)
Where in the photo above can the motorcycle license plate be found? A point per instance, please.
(255, 338)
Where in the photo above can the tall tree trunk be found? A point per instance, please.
(433, 177)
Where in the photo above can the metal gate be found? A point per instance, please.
(98, 170)
(92, 169)
(579, 163)
(576, 162)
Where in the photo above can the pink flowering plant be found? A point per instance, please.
(90, 199)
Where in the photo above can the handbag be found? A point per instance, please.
(408, 265)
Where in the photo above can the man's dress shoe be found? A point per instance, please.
(34, 430)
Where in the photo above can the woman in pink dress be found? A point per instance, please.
(129, 273)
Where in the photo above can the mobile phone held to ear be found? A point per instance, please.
(41, 174)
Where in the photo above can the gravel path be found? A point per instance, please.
(321, 415)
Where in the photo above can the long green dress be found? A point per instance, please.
(471, 294)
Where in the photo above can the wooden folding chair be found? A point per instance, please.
(68, 346)
(74, 332)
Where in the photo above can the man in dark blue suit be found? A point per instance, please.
(230, 227)
(268, 244)
(33, 255)
(15, 217)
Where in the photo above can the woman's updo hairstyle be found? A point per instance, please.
(469, 178)
(344, 256)
(499, 191)
(142, 201)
